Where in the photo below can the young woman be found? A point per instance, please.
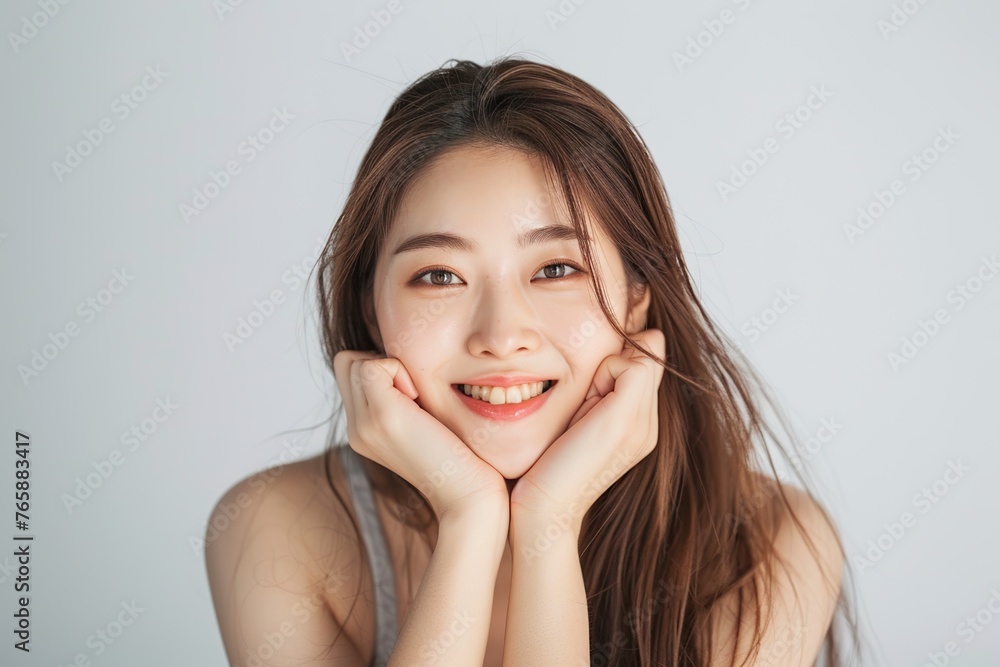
(551, 448)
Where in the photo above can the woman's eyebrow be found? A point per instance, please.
(447, 241)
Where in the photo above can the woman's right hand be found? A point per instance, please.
(385, 424)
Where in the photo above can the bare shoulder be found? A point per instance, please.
(817, 525)
(281, 556)
(805, 586)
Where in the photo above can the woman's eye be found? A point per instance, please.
(445, 278)
(556, 274)
(439, 278)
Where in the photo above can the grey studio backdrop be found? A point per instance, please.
(170, 168)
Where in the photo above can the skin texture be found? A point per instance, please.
(498, 309)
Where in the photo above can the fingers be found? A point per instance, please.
(639, 388)
(651, 340)
(349, 368)
(404, 381)
(359, 388)
(607, 374)
(373, 379)
(388, 372)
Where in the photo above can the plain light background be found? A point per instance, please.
(849, 300)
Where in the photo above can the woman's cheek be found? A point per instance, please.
(585, 334)
(405, 327)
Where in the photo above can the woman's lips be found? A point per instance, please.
(505, 411)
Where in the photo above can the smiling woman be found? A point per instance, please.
(549, 441)
(515, 299)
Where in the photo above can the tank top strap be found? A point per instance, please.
(378, 554)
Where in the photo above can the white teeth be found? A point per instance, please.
(501, 395)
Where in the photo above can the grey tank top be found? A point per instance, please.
(378, 554)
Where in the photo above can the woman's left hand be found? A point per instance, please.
(615, 428)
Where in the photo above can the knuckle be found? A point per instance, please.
(368, 369)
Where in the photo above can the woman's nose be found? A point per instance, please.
(505, 323)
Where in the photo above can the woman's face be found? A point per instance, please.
(475, 299)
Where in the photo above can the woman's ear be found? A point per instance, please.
(635, 320)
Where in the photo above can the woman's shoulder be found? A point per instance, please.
(807, 569)
(290, 506)
(797, 523)
(294, 493)
(279, 539)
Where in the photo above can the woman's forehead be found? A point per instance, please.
(493, 192)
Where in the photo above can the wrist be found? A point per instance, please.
(475, 515)
(545, 525)
(484, 518)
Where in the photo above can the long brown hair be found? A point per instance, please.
(692, 521)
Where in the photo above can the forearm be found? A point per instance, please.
(547, 622)
(449, 619)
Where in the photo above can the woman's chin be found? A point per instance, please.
(512, 462)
